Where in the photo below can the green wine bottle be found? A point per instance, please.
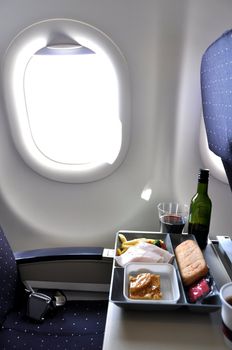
(200, 210)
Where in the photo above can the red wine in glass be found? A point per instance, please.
(172, 223)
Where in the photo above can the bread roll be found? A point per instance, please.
(191, 262)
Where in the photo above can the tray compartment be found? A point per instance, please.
(168, 281)
(216, 270)
(143, 234)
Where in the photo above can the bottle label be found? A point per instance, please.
(203, 212)
(200, 215)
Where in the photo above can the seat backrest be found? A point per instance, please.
(8, 277)
(216, 89)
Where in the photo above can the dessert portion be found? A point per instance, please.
(191, 262)
(199, 290)
(145, 286)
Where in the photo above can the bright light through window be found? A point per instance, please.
(73, 107)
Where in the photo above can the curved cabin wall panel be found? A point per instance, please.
(162, 42)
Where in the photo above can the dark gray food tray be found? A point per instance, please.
(216, 268)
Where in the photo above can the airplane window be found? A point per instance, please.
(211, 160)
(72, 105)
(68, 100)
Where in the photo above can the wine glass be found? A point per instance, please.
(172, 216)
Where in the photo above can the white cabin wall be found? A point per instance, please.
(162, 41)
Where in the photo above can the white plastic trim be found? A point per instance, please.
(22, 47)
(211, 160)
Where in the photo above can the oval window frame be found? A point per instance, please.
(20, 50)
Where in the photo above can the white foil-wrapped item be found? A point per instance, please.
(144, 252)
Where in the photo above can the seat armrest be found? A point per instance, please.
(63, 253)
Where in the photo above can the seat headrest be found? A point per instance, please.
(216, 88)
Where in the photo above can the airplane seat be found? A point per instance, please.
(216, 90)
(78, 324)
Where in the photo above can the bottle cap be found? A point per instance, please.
(203, 175)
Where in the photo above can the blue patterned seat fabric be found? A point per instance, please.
(9, 277)
(76, 325)
(216, 88)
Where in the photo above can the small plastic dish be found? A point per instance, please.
(168, 281)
